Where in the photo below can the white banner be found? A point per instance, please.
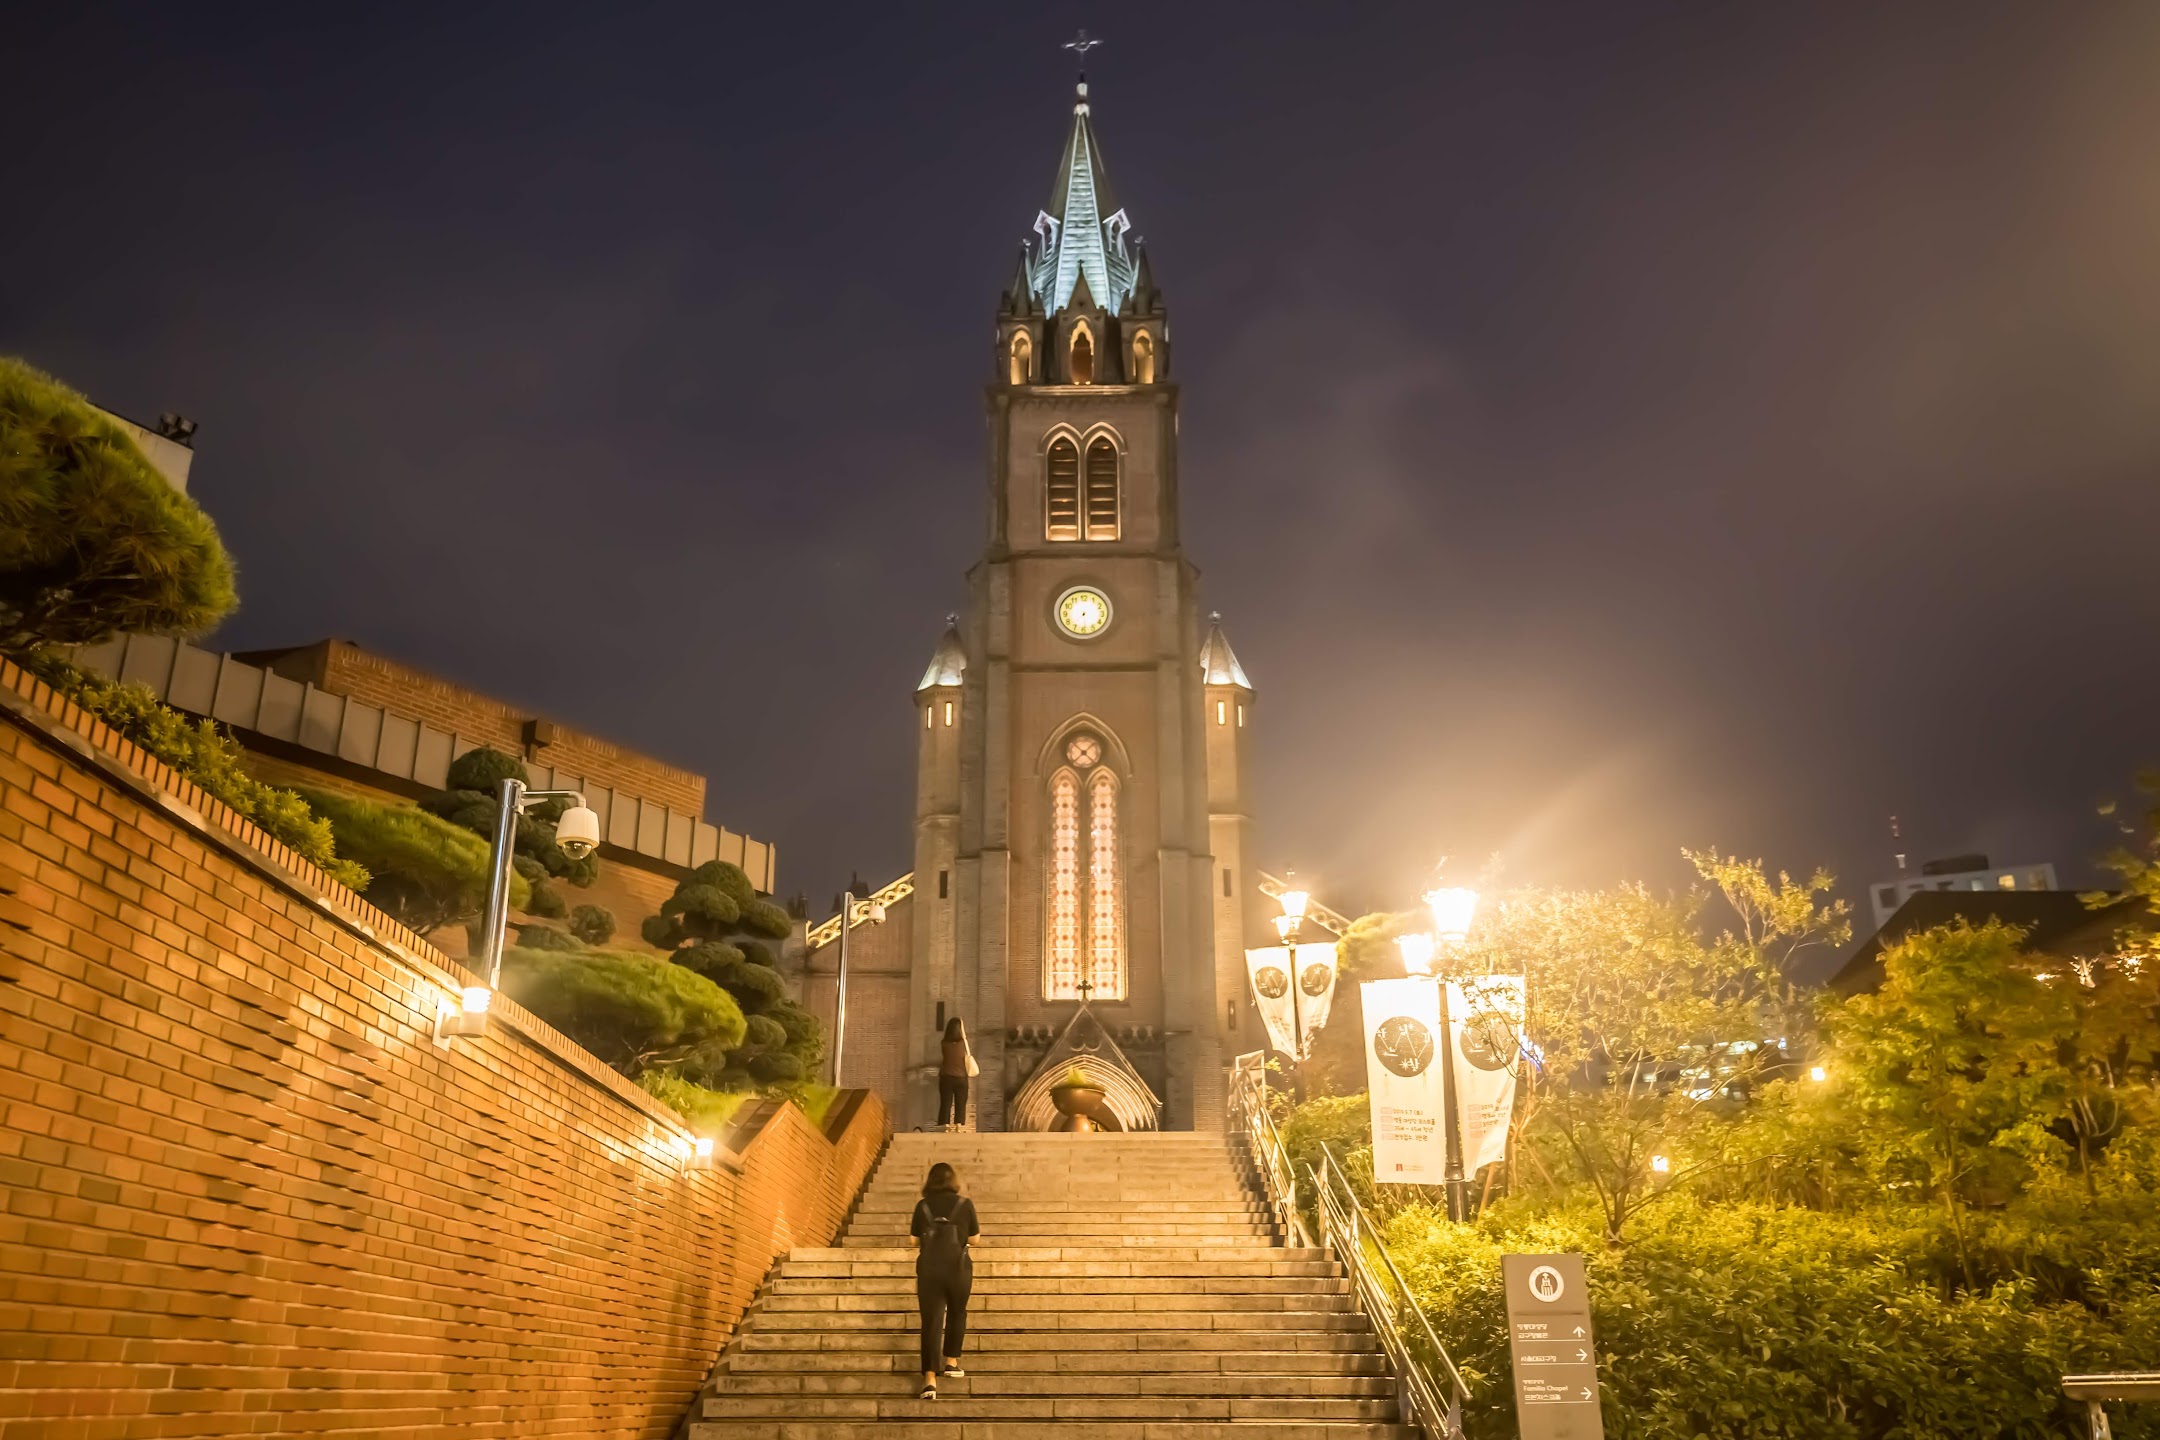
(1269, 967)
(1485, 1020)
(1402, 1076)
(1316, 987)
(1270, 972)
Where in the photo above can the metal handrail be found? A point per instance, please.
(1344, 1229)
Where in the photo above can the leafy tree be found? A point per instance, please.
(474, 801)
(636, 1013)
(705, 926)
(93, 540)
(422, 870)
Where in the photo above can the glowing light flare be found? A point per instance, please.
(1818, 1074)
(1661, 1164)
(1294, 903)
(1417, 952)
(1452, 910)
(476, 999)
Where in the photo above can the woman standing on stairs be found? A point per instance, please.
(944, 1229)
(956, 1066)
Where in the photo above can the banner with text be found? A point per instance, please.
(1316, 971)
(1403, 1081)
(1270, 972)
(1485, 1020)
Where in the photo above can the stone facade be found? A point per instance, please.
(1082, 826)
(248, 1191)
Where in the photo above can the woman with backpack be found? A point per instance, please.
(956, 1066)
(944, 1228)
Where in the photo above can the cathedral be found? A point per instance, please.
(1084, 880)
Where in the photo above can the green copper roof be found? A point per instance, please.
(1082, 233)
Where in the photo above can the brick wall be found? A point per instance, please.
(343, 668)
(246, 1193)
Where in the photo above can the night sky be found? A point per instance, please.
(1607, 427)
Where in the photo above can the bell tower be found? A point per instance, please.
(1065, 811)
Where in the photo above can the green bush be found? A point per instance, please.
(636, 1013)
(547, 937)
(422, 871)
(93, 540)
(473, 801)
(1744, 1320)
(203, 753)
(593, 924)
(764, 1032)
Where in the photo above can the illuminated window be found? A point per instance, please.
(1023, 355)
(1102, 490)
(1061, 496)
(1084, 908)
(1106, 918)
(1083, 356)
(2008, 882)
(1143, 359)
(948, 712)
(1061, 951)
(926, 717)
(1222, 712)
(1241, 714)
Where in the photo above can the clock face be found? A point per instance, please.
(1082, 612)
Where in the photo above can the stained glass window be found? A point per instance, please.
(1061, 951)
(1106, 928)
(1084, 901)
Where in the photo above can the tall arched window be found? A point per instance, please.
(1023, 354)
(1102, 489)
(1061, 947)
(1083, 356)
(1084, 900)
(1143, 359)
(1061, 491)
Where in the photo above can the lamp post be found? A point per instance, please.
(577, 832)
(871, 912)
(1287, 925)
(1451, 912)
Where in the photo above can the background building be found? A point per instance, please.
(1958, 872)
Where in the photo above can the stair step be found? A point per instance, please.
(1035, 1284)
(1082, 1254)
(997, 1302)
(1025, 1321)
(1258, 1366)
(1245, 1266)
(978, 1385)
(960, 1429)
(1064, 1407)
(1035, 1340)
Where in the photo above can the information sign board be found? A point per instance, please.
(1553, 1346)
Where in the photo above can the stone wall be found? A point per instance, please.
(246, 1192)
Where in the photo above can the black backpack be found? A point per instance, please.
(942, 1240)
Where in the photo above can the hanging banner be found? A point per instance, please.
(1316, 987)
(1485, 1020)
(1403, 1081)
(1269, 968)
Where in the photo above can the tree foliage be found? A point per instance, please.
(705, 926)
(422, 870)
(473, 801)
(93, 540)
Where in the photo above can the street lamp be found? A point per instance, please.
(852, 912)
(577, 831)
(1417, 949)
(1452, 910)
(1286, 925)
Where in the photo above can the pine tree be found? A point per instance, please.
(707, 926)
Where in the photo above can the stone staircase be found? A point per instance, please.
(1127, 1287)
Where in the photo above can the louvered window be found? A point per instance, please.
(1102, 491)
(1061, 501)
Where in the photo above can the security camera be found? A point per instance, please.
(578, 832)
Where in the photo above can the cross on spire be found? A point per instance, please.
(1080, 45)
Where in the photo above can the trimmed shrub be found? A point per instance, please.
(703, 926)
(632, 1011)
(422, 871)
(547, 937)
(593, 924)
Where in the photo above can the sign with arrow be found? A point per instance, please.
(1553, 1346)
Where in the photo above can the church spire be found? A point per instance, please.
(1082, 230)
(1218, 663)
(948, 663)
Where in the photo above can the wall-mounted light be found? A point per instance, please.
(468, 1016)
(701, 1151)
